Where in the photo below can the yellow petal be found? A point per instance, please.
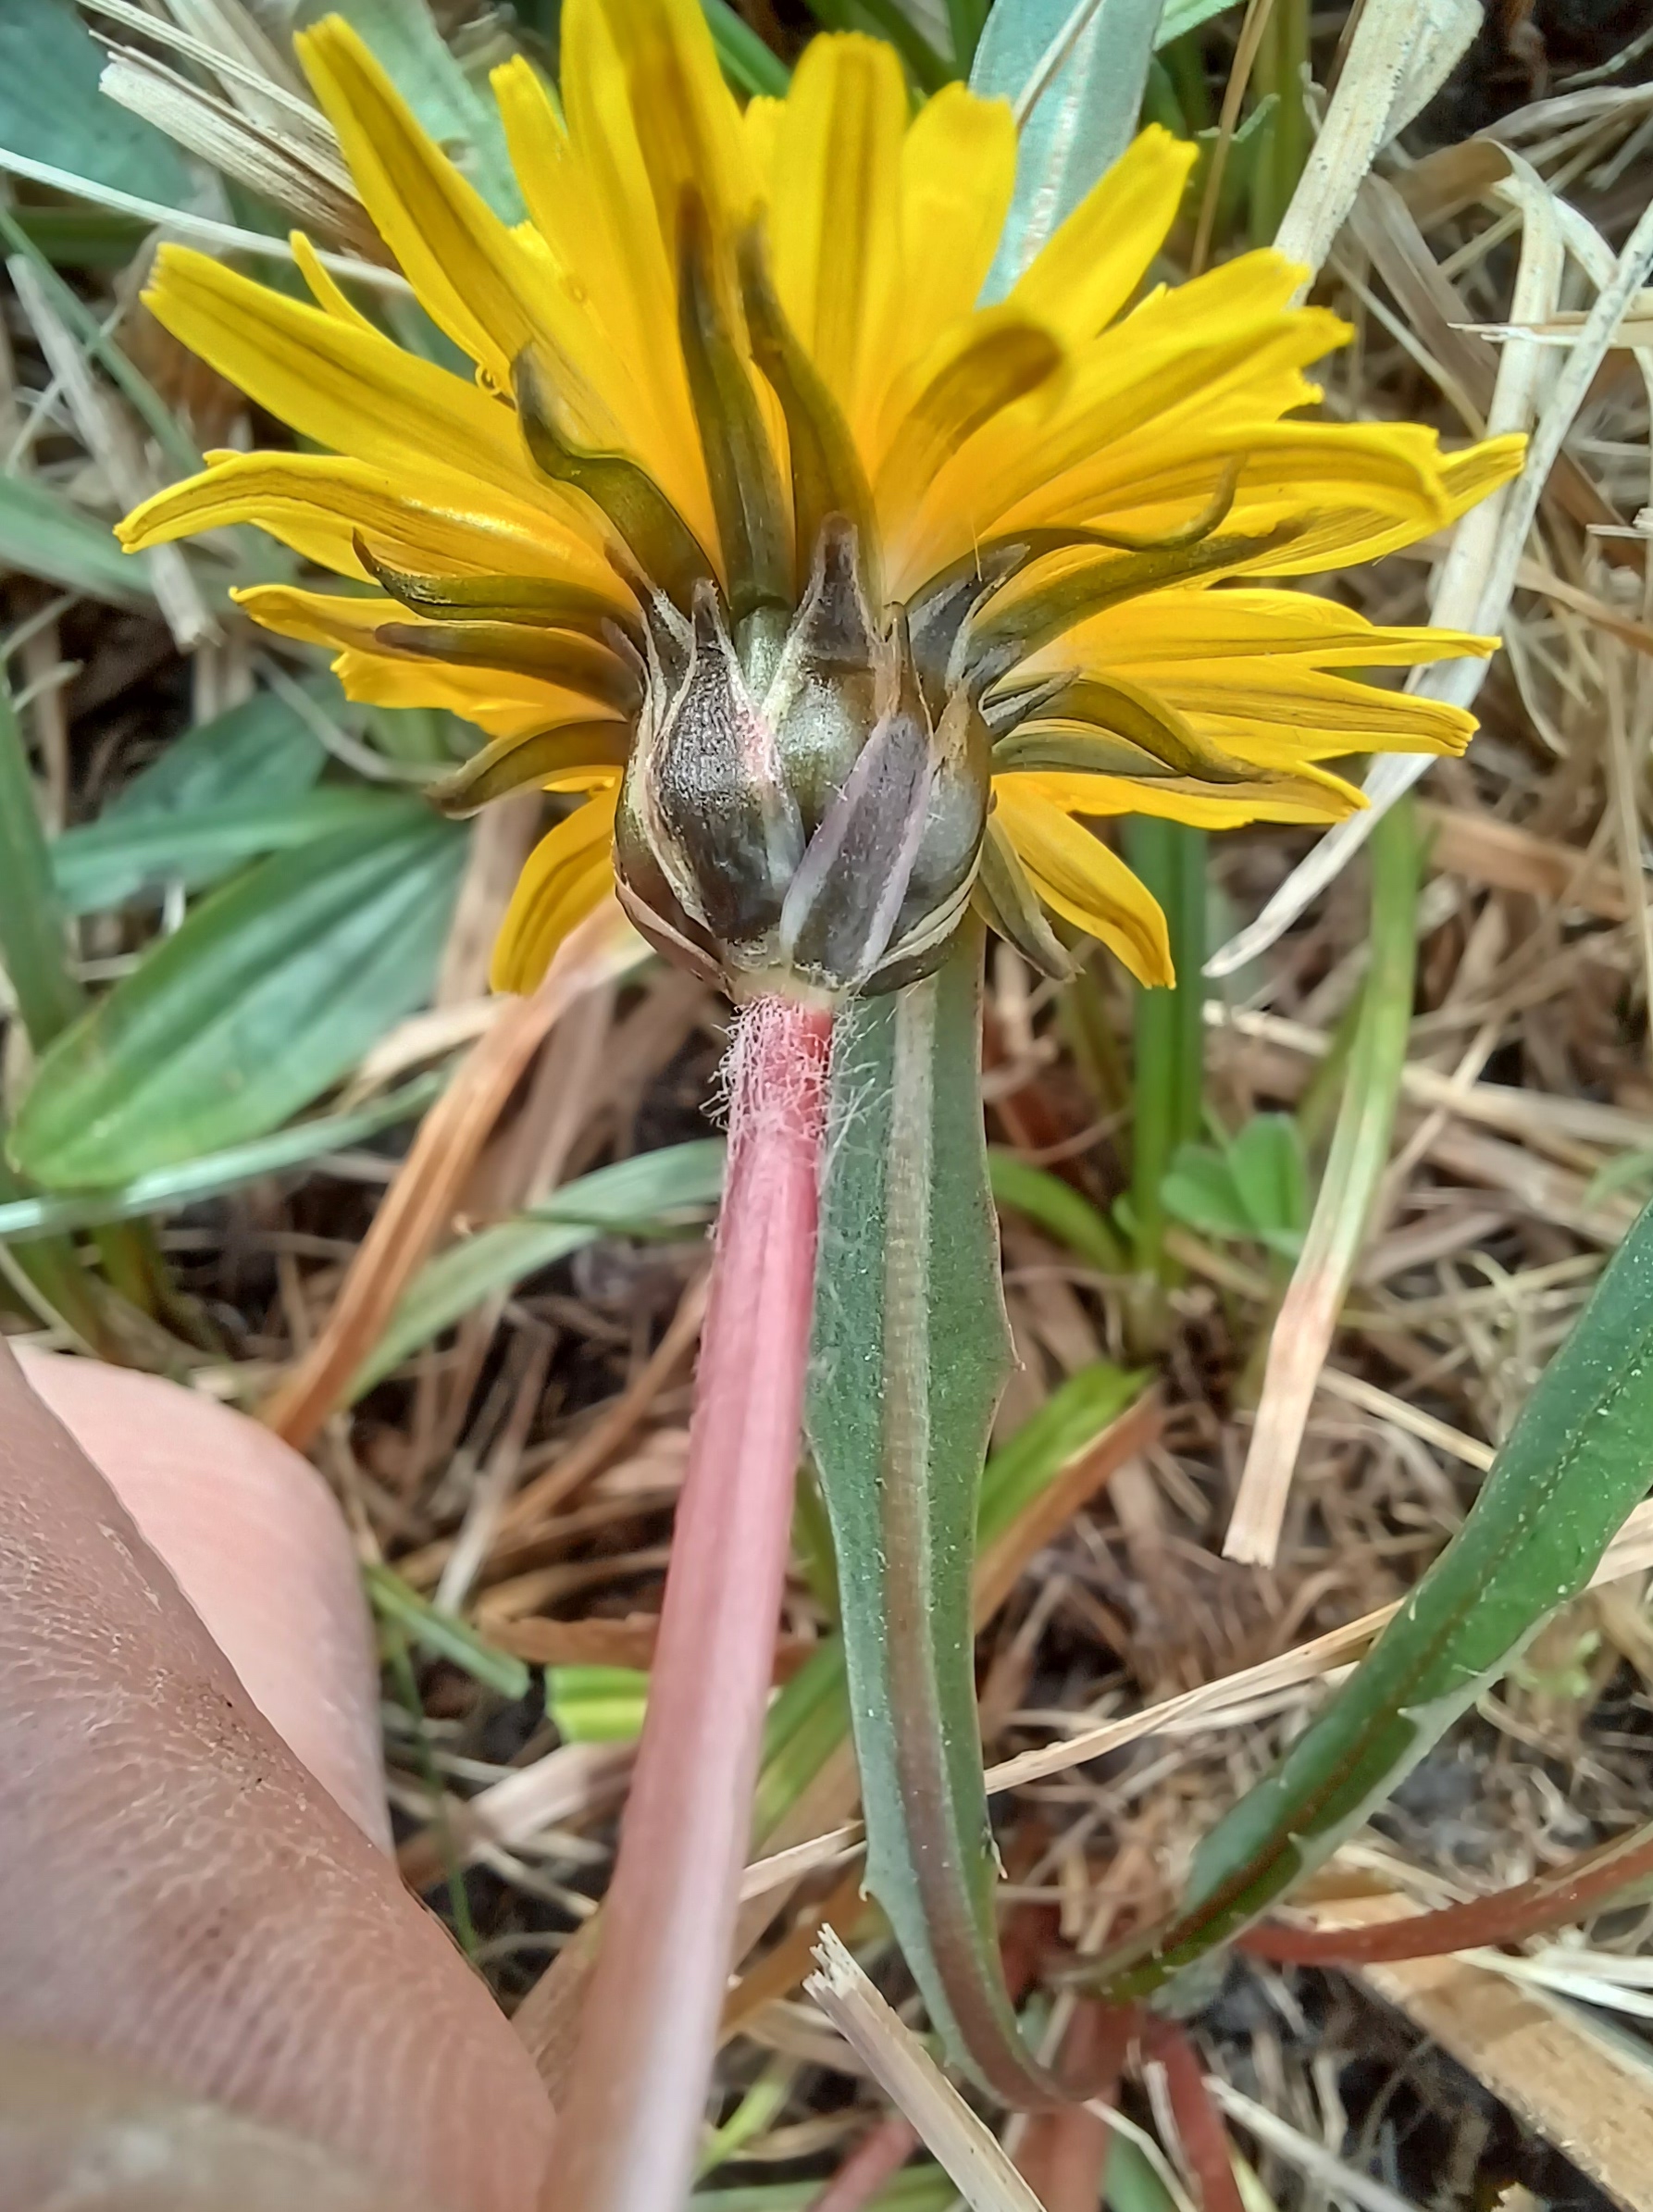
(567, 874)
(1311, 796)
(1466, 478)
(1279, 713)
(646, 101)
(315, 503)
(977, 373)
(327, 294)
(345, 387)
(1088, 271)
(1222, 353)
(475, 695)
(958, 171)
(471, 277)
(1076, 874)
(834, 241)
(1196, 624)
(609, 321)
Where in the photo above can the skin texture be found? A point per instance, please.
(256, 1542)
(183, 1896)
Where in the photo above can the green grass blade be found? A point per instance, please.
(33, 940)
(445, 1635)
(1576, 1462)
(107, 862)
(748, 63)
(1168, 1058)
(41, 534)
(640, 1196)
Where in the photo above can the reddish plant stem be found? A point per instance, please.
(630, 2122)
(1063, 2158)
(1199, 2122)
(1554, 1899)
(877, 2159)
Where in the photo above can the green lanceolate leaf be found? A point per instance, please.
(811, 1717)
(191, 1180)
(910, 1353)
(51, 109)
(1074, 71)
(108, 863)
(270, 991)
(1578, 1460)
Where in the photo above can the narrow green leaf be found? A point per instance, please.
(270, 991)
(640, 1196)
(193, 1180)
(748, 63)
(108, 863)
(1576, 1462)
(596, 1704)
(810, 1717)
(1057, 1207)
(1168, 1039)
(33, 940)
(910, 1354)
(1066, 1425)
(444, 1635)
(43, 534)
(1074, 71)
(51, 109)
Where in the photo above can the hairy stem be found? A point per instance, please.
(631, 2118)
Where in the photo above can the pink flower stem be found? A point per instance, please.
(629, 2125)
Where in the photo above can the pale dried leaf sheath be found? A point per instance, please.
(960, 2142)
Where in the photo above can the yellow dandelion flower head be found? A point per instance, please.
(843, 599)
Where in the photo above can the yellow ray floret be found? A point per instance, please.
(736, 366)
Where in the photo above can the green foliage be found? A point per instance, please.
(41, 534)
(654, 1194)
(597, 1705)
(748, 63)
(213, 1172)
(1168, 1036)
(272, 989)
(1575, 1465)
(1254, 1187)
(910, 1352)
(1082, 120)
(51, 109)
(442, 1634)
